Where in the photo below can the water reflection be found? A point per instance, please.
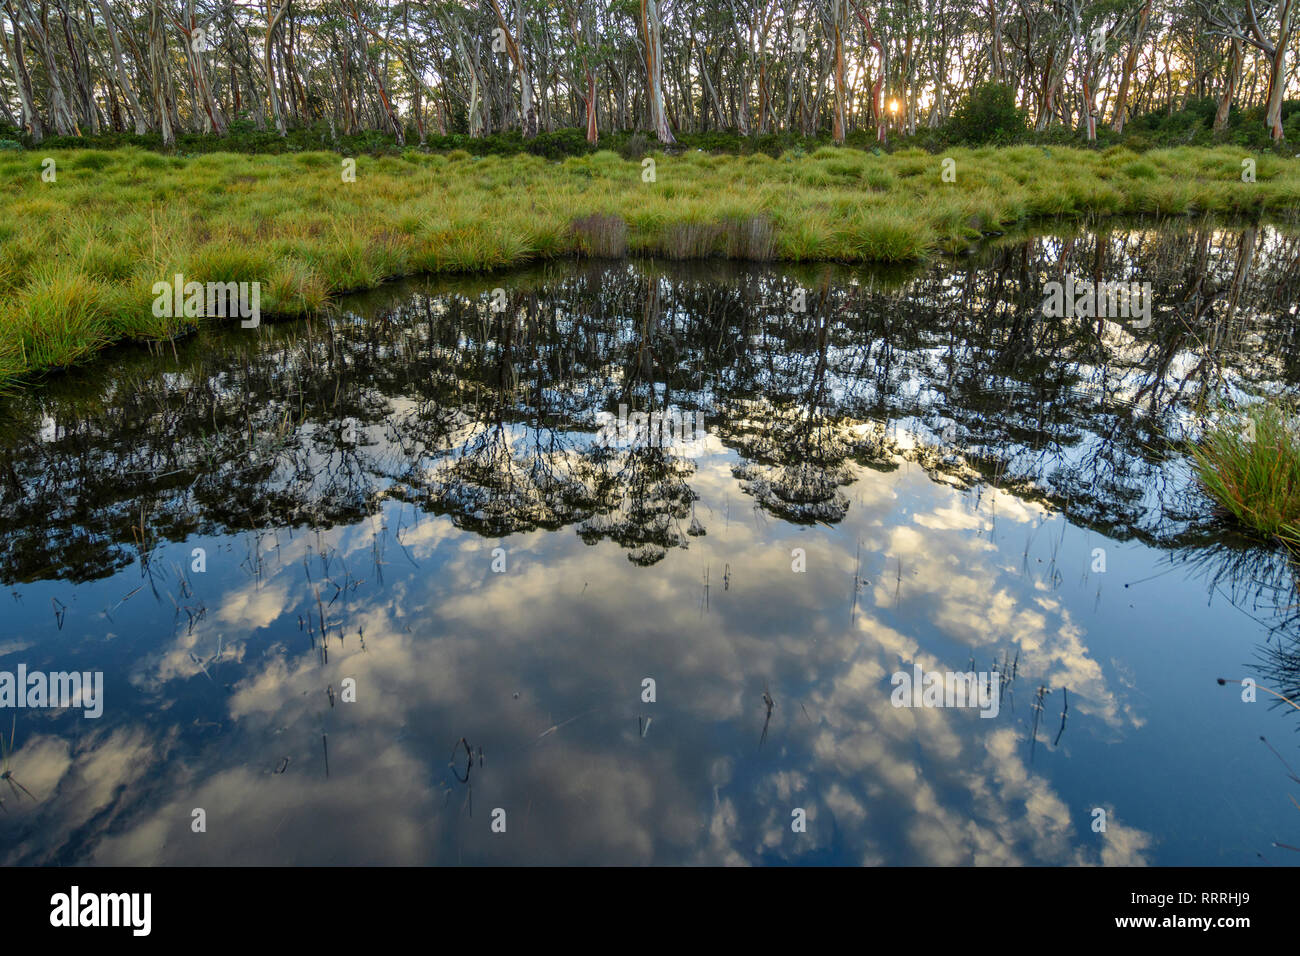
(412, 500)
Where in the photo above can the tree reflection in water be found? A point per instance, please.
(425, 394)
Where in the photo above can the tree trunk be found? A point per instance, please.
(128, 93)
(877, 84)
(1278, 77)
(1229, 87)
(838, 118)
(1130, 63)
(273, 16)
(160, 76)
(527, 111)
(65, 123)
(382, 91)
(651, 30)
(13, 51)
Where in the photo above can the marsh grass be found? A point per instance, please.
(749, 237)
(79, 256)
(1249, 463)
(600, 235)
(691, 240)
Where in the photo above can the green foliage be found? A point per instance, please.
(634, 146)
(987, 114)
(1193, 125)
(561, 143)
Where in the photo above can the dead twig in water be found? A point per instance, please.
(555, 727)
(770, 703)
(469, 762)
(1065, 698)
(6, 752)
(1038, 712)
(1222, 681)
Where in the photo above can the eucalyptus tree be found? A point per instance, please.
(1266, 25)
(73, 67)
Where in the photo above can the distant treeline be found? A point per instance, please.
(561, 76)
(1190, 126)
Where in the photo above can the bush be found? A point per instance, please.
(988, 114)
(634, 147)
(1291, 128)
(561, 143)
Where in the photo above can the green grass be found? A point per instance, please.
(1249, 463)
(79, 256)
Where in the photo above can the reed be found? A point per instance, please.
(1249, 464)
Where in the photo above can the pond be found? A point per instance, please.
(416, 583)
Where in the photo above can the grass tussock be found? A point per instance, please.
(601, 236)
(751, 238)
(691, 240)
(79, 255)
(1249, 464)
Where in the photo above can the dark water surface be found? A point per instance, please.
(967, 485)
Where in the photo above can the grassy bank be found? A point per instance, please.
(79, 256)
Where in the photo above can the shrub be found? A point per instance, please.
(634, 147)
(988, 114)
(561, 143)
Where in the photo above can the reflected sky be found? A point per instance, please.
(864, 502)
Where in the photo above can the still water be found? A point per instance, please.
(376, 588)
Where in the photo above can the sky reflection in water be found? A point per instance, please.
(947, 466)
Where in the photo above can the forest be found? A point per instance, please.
(405, 72)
